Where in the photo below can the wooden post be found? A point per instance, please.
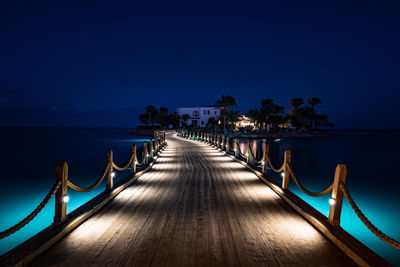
(134, 159)
(265, 161)
(164, 137)
(236, 148)
(337, 195)
(145, 159)
(151, 149)
(110, 178)
(60, 213)
(222, 142)
(218, 140)
(249, 153)
(227, 144)
(286, 174)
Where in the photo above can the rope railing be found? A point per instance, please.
(337, 188)
(90, 188)
(126, 166)
(313, 194)
(60, 188)
(272, 166)
(244, 155)
(33, 214)
(254, 157)
(387, 239)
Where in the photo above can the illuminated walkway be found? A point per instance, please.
(195, 208)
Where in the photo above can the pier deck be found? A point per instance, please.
(195, 207)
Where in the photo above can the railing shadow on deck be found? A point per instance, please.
(337, 189)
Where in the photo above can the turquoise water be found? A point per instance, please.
(28, 163)
(372, 159)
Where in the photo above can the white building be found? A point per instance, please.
(244, 121)
(199, 116)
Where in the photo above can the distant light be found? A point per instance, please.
(65, 199)
(332, 201)
(113, 174)
(283, 174)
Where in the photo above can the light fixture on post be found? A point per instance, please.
(332, 201)
(65, 199)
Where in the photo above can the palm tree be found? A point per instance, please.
(314, 101)
(185, 118)
(311, 114)
(150, 116)
(162, 117)
(296, 114)
(225, 103)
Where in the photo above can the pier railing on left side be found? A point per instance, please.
(60, 188)
(337, 188)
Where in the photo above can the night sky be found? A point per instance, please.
(95, 64)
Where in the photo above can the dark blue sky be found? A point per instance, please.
(95, 63)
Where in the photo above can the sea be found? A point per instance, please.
(29, 156)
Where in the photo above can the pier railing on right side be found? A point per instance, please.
(337, 189)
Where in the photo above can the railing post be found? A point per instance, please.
(218, 140)
(236, 148)
(134, 159)
(151, 149)
(222, 142)
(337, 195)
(60, 212)
(110, 174)
(286, 174)
(164, 137)
(264, 160)
(145, 154)
(227, 144)
(248, 153)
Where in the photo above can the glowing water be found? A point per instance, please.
(28, 161)
(372, 161)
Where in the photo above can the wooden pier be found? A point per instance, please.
(195, 207)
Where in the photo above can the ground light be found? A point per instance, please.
(332, 201)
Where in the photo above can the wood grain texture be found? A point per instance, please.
(196, 207)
